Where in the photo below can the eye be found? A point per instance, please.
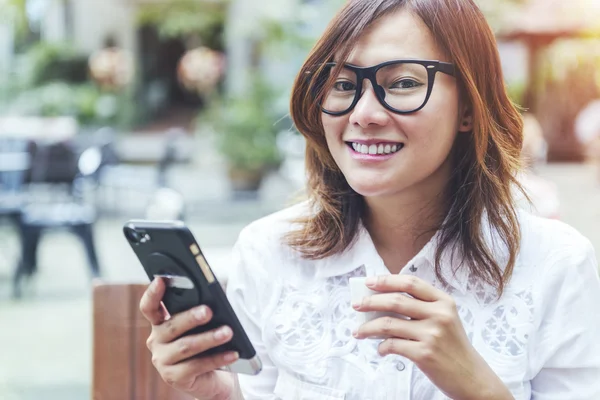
(406, 83)
(344, 86)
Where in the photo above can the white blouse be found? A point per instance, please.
(542, 337)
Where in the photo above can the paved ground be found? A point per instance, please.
(45, 340)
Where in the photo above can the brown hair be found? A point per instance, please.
(486, 160)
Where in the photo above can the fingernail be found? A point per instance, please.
(200, 313)
(230, 357)
(223, 333)
(355, 334)
(370, 282)
(356, 306)
(154, 285)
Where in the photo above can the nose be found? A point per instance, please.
(369, 111)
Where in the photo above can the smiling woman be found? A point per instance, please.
(466, 96)
(412, 155)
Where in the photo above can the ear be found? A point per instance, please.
(465, 122)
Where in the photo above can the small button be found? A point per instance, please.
(400, 366)
(413, 268)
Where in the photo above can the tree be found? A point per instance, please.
(14, 12)
(199, 21)
(495, 11)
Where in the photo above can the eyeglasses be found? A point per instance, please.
(401, 86)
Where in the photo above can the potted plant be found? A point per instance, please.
(246, 134)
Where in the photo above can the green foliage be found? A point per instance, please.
(496, 11)
(85, 102)
(13, 11)
(278, 38)
(48, 62)
(186, 18)
(55, 82)
(245, 128)
(516, 91)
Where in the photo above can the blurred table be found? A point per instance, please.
(47, 129)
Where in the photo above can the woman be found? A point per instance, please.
(413, 147)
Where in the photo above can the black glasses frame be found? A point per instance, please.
(370, 73)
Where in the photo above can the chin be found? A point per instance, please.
(371, 188)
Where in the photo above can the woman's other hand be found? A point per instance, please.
(433, 338)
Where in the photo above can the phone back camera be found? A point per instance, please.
(136, 237)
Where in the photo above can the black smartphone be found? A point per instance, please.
(167, 249)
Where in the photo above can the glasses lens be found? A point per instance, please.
(340, 96)
(404, 84)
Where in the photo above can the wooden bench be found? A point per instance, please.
(122, 368)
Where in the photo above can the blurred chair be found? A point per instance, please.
(122, 366)
(15, 159)
(56, 200)
(142, 189)
(166, 202)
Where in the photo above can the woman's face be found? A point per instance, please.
(424, 138)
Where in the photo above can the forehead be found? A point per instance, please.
(399, 35)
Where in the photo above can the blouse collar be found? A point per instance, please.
(363, 252)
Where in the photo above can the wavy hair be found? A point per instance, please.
(486, 160)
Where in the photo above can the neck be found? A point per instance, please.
(400, 226)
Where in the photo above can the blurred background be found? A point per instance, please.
(120, 109)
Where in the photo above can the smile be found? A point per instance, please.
(376, 148)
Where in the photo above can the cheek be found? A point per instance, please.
(436, 125)
(333, 128)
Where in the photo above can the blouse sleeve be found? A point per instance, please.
(566, 353)
(248, 292)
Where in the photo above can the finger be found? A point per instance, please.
(410, 284)
(150, 303)
(401, 347)
(186, 374)
(388, 327)
(182, 322)
(192, 345)
(398, 303)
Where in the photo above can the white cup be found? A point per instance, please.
(358, 290)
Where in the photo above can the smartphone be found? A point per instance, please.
(167, 249)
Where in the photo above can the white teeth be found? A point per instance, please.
(375, 149)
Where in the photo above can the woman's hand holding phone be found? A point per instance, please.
(171, 353)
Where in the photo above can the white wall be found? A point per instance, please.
(93, 21)
(53, 22)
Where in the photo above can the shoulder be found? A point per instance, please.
(259, 253)
(542, 236)
(555, 253)
(272, 229)
(562, 273)
(264, 241)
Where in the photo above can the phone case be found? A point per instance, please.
(168, 249)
